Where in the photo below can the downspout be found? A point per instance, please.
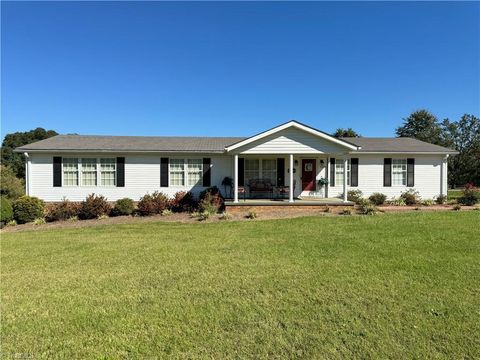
(27, 174)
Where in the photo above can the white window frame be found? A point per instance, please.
(339, 164)
(259, 173)
(99, 172)
(98, 182)
(78, 171)
(185, 172)
(404, 171)
(196, 171)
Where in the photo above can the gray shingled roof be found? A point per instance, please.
(204, 144)
(393, 145)
(132, 143)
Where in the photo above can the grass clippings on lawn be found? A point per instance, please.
(390, 286)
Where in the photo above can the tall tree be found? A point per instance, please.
(421, 125)
(340, 132)
(464, 136)
(11, 141)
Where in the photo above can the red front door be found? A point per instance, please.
(309, 172)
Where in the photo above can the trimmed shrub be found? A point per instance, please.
(470, 197)
(457, 207)
(167, 212)
(146, 205)
(441, 199)
(6, 211)
(27, 209)
(183, 201)
(39, 221)
(398, 201)
(355, 196)
(211, 190)
(211, 203)
(378, 198)
(93, 207)
(61, 211)
(152, 204)
(427, 202)
(252, 215)
(123, 206)
(411, 197)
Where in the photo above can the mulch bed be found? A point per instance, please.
(264, 214)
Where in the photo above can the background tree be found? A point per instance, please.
(421, 125)
(463, 136)
(17, 161)
(346, 133)
(11, 187)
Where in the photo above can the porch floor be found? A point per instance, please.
(305, 201)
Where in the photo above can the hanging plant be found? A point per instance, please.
(322, 181)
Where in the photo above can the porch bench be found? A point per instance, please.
(258, 186)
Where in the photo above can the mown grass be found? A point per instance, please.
(390, 286)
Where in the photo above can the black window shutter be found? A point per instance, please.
(57, 171)
(332, 171)
(241, 170)
(207, 172)
(410, 172)
(280, 172)
(164, 172)
(120, 172)
(387, 172)
(354, 172)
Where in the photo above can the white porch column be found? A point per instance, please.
(290, 195)
(345, 164)
(235, 179)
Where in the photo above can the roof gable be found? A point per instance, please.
(296, 125)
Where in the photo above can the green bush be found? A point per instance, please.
(123, 206)
(441, 199)
(11, 187)
(457, 207)
(355, 196)
(411, 197)
(427, 202)
(63, 210)
(27, 209)
(211, 200)
(252, 215)
(93, 207)
(6, 211)
(470, 197)
(398, 201)
(378, 198)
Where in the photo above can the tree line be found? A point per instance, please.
(462, 135)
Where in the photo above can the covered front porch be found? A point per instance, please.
(286, 202)
(290, 163)
(282, 179)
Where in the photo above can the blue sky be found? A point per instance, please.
(183, 68)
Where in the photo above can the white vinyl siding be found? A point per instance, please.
(399, 172)
(70, 172)
(89, 172)
(339, 172)
(194, 171)
(107, 171)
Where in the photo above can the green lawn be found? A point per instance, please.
(388, 286)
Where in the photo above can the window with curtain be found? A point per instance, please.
(339, 172)
(107, 171)
(399, 171)
(177, 172)
(89, 172)
(70, 171)
(269, 170)
(252, 168)
(194, 171)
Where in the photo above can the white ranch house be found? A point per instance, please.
(73, 166)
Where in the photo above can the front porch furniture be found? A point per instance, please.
(282, 191)
(260, 186)
(242, 190)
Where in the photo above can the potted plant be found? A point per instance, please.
(321, 183)
(227, 182)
